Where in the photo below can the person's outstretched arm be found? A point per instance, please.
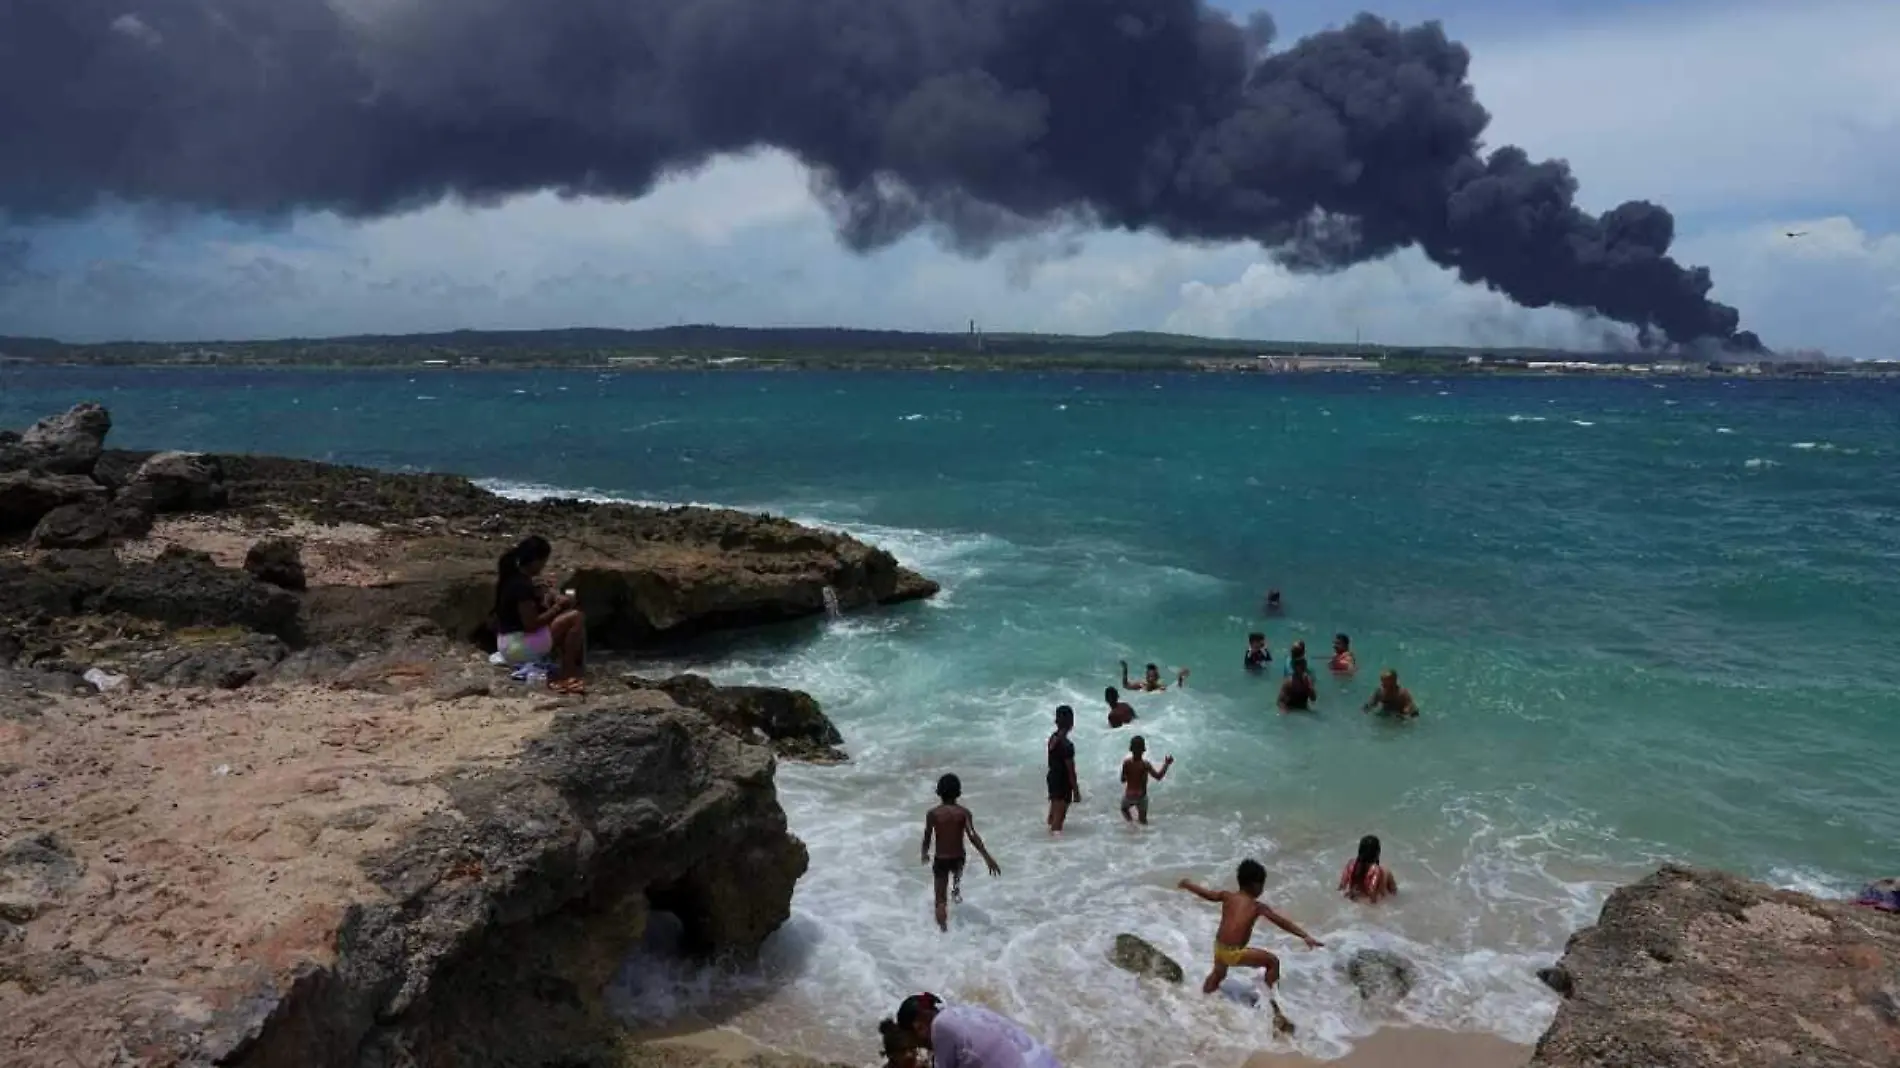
(1202, 892)
(929, 831)
(1267, 913)
(969, 828)
(1161, 772)
(1125, 683)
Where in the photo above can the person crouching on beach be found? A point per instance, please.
(965, 1036)
(1151, 679)
(1120, 712)
(1136, 773)
(1239, 910)
(1064, 790)
(949, 824)
(529, 625)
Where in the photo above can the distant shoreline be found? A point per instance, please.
(1028, 365)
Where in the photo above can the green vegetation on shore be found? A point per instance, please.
(827, 348)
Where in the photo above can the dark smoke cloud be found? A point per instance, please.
(979, 120)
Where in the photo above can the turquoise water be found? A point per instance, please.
(1644, 620)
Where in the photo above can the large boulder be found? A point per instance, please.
(26, 497)
(1381, 975)
(177, 482)
(1701, 969)
(278, 561)
(65, 444)
(74, 526)
(788, 720)
(1135, 954)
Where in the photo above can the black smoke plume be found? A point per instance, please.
(979, 120)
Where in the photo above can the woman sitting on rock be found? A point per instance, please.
(531, 625)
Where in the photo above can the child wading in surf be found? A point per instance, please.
(1239, 910)
(1136, 773)
(949, 824)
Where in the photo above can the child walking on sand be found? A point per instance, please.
(1136, 772)
(1239, 910)
(949, 824)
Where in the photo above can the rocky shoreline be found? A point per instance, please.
(267, 803)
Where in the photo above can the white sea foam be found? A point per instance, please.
(1582, 422)
(1477, 919)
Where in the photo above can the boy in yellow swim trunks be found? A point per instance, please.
(1239, 910)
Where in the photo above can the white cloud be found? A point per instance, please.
(1218, 309)
(1748, 120)
(1713, 109)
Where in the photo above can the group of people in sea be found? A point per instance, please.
(537, 627)
(968, 1036)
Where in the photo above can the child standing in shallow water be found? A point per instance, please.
(1136, 773)
(1239, 910)
(948, 824)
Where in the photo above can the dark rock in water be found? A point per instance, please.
(176, 482)
(65, 444)
(790, 720)
(1136, 955)
(74, 526)
(1557, 978)
(1381, 975)
(278, 561)
(36, 871)
(26, 497)
(1701, 969)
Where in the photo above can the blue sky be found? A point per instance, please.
(1746, 119)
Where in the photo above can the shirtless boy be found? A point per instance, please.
(949, 824)
(1239, 910)
(1136, 773)
(1151, 679)
(1391, 699)
(1120, 713)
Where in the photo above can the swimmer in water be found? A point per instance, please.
(949, 824)
(1364, 878)
(1258, 655)
(1120, 713)
(1343, 662)
(1151, 679)
(1239, 911)
(1296, 653)
(1273, 606)
(1136, 774)
(1297, 693)
(1391, 699)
